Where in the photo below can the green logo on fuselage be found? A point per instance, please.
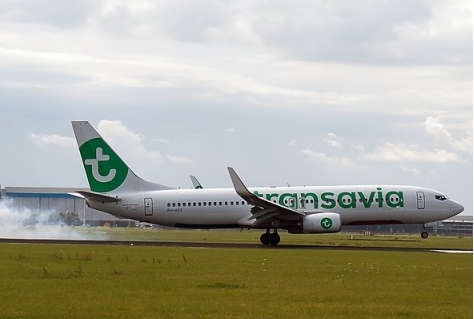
(326, 223)
(105, 170)
(344, 199)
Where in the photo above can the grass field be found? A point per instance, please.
(74, 281)
(252, 236)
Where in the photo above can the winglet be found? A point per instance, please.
(195, 182)
(239, 186)
(267, 210)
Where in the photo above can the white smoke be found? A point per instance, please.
(23, 223)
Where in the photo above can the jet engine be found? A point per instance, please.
(317, 224)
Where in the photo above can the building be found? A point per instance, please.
(455, 226)
(44, 201)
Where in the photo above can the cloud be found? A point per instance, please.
(399, 152)
(358, 147)
(52, 139)
(292, 143)
(370, 31)
(333, 140)
(414, 171)
(126, 141)
(178, 159)
(337, 161)
(55, 13)
(161, 140)
(231, 130)
(434, 127)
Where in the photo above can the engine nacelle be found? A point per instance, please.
(318, 223)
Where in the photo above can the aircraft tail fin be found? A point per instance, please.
(106, 171)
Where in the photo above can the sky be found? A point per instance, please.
(298, 92)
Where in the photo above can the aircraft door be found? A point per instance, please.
(420, 199)
(148, 206)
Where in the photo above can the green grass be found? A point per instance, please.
(69, 281)
(252, 236)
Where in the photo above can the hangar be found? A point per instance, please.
(50, 200)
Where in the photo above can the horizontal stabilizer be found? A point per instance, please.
(96, 197)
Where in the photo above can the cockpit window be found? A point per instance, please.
(441, 197)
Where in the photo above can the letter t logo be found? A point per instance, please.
(94, 163)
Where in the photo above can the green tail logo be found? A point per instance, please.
(105, 170)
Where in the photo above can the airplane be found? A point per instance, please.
(117, 190)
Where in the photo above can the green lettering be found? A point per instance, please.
(292, 200)
(328, 201)
(270, 196)
(367, 202)
(313, 196)
(380, 196)
(347, 200)
(398, 199)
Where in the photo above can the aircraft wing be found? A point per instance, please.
(263, 210)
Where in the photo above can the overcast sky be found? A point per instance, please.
(298, 92)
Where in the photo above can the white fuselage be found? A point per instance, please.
(223, 208)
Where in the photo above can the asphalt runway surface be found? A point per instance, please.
(207, 245)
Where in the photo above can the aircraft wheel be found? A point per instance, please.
(424, 235)
(265, 239)
(274, 239)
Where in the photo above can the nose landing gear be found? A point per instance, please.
(268, 238)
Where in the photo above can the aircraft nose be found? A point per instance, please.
(456, 207)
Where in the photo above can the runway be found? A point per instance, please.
(209, 245)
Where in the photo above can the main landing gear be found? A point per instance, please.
(268, 238)
(424, 234)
